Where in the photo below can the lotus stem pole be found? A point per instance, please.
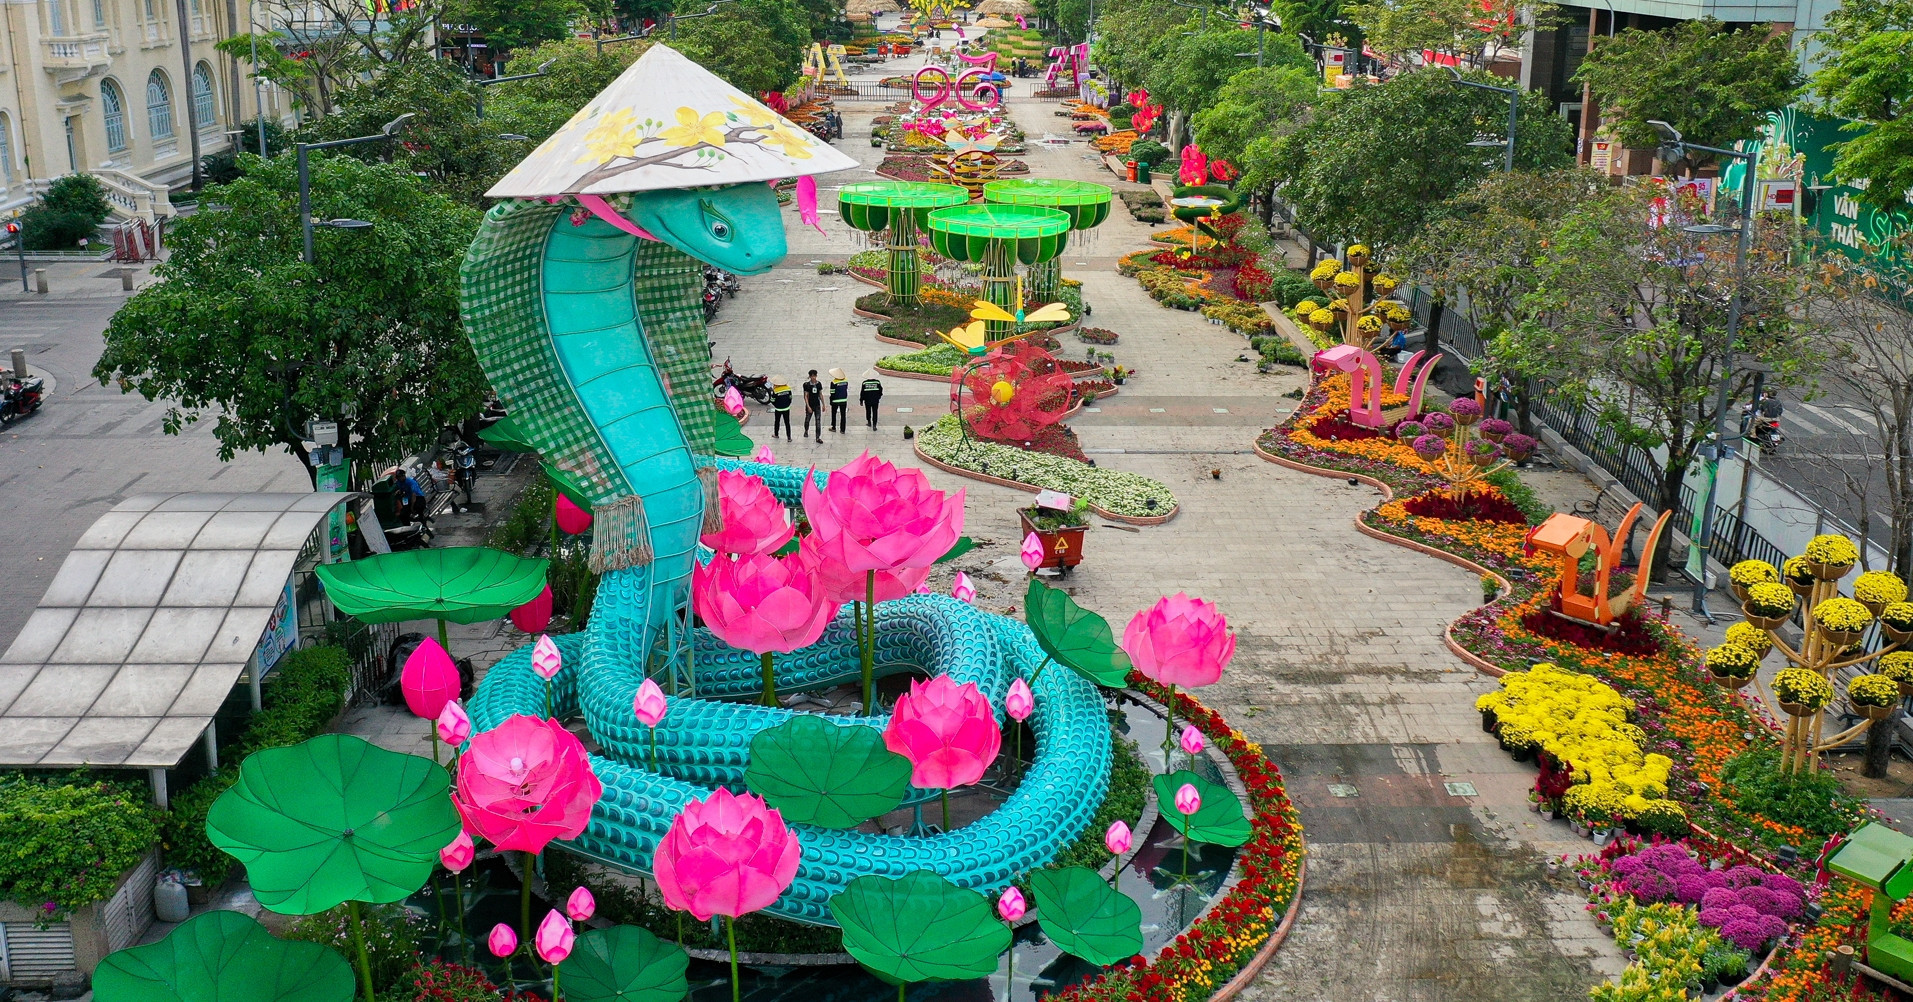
(946, 810)
(358, 945)
(511, 978)
(730, 933)
(654, 749)
(1009, 973)
(869, 645)
(524, 903)
(547, 699)
(769, 698)
(458, 905)
(434, 730)
(902, 986)
(555, 993)
(1169, 732)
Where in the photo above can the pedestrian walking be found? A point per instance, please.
(871, 395)
(814, 405)
(780, 406)
(839, 401)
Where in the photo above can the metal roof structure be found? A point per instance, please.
(147, 626)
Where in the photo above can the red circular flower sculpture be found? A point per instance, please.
(1012, 394)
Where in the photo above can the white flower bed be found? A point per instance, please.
(1115, 491)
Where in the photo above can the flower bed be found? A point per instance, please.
(1115, 492)
(1237, 927)
(1722, 751)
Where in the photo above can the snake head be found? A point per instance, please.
(735, 227)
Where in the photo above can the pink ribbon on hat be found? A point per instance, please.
(603, 210)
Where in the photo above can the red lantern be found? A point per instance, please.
(534, 616)
(571, 518)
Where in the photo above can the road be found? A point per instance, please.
(91, 447)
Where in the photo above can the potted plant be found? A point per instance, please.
(1119, 375)
(1878, 589)
(1797, 575)
(1732, 664)
(1841, 621)
(1801, 691)
(1768, 605)
(1747, 573)
(1896, 621)
(1830, 556)
(1875, 696)
(1898, 666)
(1060, 530)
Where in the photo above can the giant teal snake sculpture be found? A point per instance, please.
(594, 338)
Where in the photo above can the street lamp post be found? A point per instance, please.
(1514, 114)
(305, 181)
(484, 83)
(1720, 447)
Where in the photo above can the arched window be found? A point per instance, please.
(203, 105)
(113, 110)
(6, 150)
(159, 106)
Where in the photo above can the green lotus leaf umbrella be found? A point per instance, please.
(463, 584)
(624, 964)
(920, 927)
(223, 957)
(570, 485)
(507, 434)
(964, 544)
(1084, 916)
(1219, 821)
(731, 440)
(334, 819)
(1074, 636)
(823, 774)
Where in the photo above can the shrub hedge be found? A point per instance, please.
(68, 838)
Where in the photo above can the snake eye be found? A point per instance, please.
(720, 230)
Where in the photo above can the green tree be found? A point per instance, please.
(575, 71)
(1867, 75)
(239, 327)
(1716, 86)
(1483, 247)
(1473, 30)
(1317, 19)
(755, 45)
(515, 24)
(445, 140)
(1380, 159)
(1255, 103)
(1631, 319)
(1132, 35)
(72, 210)
(1193, 69)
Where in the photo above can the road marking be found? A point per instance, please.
(1158, 410)
(1092, 410)
(906, 410)
(1343, 790)
(1220, 410)
(1827, 415)
(1461, 789)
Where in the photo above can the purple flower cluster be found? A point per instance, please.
(1465, 409)
(1429, 447)
(1438, 423)
(1518, 446)
(1748, 905)
(1493, 429)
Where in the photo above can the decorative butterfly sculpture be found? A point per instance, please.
(971, 338)
(990, 311)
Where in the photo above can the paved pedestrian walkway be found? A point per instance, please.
(1426, 881)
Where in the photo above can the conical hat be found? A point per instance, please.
(667, 122)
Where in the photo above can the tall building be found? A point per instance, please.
(127, 90)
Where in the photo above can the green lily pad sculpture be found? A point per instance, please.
(1074, 636)
(507, 434)
(463, 584)
(823, 774)
(223, 957)
(1085, 917)
(964, 544)
(1219, 821)
(624, 964)
(731, 440)
(332, 820)
(920, 927)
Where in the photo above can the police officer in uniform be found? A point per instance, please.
(839, 401)
(871, 395)
(780, 406)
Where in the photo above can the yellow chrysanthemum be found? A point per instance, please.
(1748, 573)
(1770, 599)
(1751, 637)
(1873, 690)
(1842, 615)
(1879, 587)
(1832, 548)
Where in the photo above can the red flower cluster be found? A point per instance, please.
(1479, 506)
(1251, 283)
(1212, 950)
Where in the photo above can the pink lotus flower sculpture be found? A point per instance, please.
(1011, 906)
(555, 938)
(763, 604)
(733, 402)
(572, 519)
(581, 905)
(725, 855)
(842, 585)
(1032, 552)
(429, 679)
(545, 659)
(875, 517)
(1191, 740)
(454, 725)
(524, 783)
(503, 942)
(964, 590)
(947, 731)
(1180, 641)
(534, 616)
(754, 520)
(764, 455)
(650, 706)
(1117, 839)
(1020, 702)
(459, 854)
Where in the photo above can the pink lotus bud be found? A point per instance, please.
(459, 854)
(924, 588)
(1191, 740)
(1188, 801)
(763, 455)
(1020, 701)
(650, 704)
(534, 616)
(454, 724)
(733, 402)
(429, 679)
(1011, 905)
(503, 942)
(1032, 552)
(545, 659)
(1117, 839)
(581, 904)
(572, 519)
(555, 938)
(964, 590)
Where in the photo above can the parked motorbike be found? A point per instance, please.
(755, 387)
(20, 398)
